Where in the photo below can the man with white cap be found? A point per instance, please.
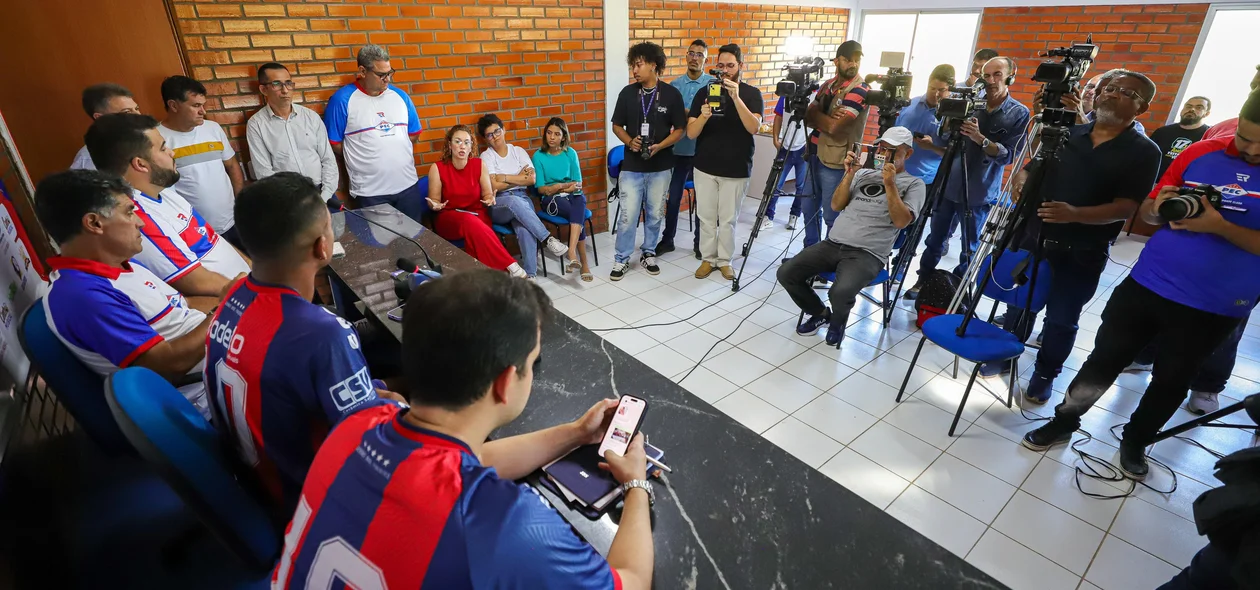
(873, 205)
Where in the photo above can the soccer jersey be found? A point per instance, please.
(199, 156)
(281, 372)
(1201, 270)
(375, 134)
(110, 316)
(177, 239)
(390, 505)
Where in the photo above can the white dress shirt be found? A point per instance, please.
(297, 144)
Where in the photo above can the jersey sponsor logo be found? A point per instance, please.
(1233, 190)
(383, 125)
(222, 332)
(1243, 177)
(353, 391)
(182, 217)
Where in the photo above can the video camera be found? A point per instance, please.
(800, 82)
(962, 103)
(894, 89)
(1061, 77)
(1186, 204)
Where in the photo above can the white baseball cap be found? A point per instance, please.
(896, 136)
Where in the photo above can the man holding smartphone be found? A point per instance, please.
(418, 496)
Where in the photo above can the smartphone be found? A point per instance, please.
(918, 135)
(626, 421)
(396, 314)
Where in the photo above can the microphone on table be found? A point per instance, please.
(432, 266)
(410, 277)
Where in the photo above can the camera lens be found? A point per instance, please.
(1180, 207)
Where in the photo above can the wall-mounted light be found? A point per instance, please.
(797, 46)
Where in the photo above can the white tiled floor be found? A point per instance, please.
(1015, 514)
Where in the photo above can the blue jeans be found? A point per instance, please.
(822, 184)
(572, 207)
(638, 188)
(409, 201)
(1073, 280)
(681, 174)
(795, 160)
(947, 215)
(529, 229)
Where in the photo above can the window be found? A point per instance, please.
(928, 39)
(1225, 66)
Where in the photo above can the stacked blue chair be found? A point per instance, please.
(984, 342)
(615, 157)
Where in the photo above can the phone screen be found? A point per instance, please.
(625, 424)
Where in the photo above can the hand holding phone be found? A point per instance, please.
(626, 420)
(627, 466)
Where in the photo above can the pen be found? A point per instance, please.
(659, 464)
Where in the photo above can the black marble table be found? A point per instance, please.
(738, 512)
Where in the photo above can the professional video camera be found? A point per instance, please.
(1061, 77)
(894, 89)
(962, 103)
(800, 82)
(1186, 204)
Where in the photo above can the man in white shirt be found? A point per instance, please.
(179, 246)
(288, 137)
(110, 311)
(373, 125)
(511, 173)
(102, 99)
(210, 176)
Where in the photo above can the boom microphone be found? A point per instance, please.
(437, 268)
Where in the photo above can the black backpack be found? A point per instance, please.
(936, 291)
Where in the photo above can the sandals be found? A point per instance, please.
(587, 277)
(572, 265)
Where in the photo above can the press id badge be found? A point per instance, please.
(643, 130)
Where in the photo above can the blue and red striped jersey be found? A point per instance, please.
(390, 505)
(282, 372)
(1201, 270)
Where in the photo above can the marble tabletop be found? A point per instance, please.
(738, 511)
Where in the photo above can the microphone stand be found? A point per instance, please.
(427, 259)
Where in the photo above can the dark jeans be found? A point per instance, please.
(571, 207)
(1214, 374)
(1135, 316)
(231, 236)
(816, 200)
(1073, 280)
(409, 201)
(949, 214)
(1211, 569)
(855, 268)
(682, 173)
(794, 160)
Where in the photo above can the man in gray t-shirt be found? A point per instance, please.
(874, 205)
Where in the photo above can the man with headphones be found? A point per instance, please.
(993, 138)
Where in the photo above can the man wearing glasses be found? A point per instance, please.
(689, 84)
(1173, 139)
(1104, 171)
(372, 125)
(287, 137)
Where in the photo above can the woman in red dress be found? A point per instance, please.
(459, 192)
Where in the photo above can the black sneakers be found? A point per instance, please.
(813, 323)
(1133, 461)
(664, 247)
(1053, 433)
(648, 262)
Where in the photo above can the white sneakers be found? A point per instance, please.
(766, 224)
(516, 271)
(1202, 402)
(556, 247)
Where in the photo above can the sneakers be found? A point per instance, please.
(1052, 433)
(1202, 402)
(704, 271)
(556, 247)
(648, 262)
(791, 224)
(1039, 390)
(912, 293)
(995, 369)
(619, 270)
(727, 273)
(664, 248)
(834, 335)
(813, 323)
(1133, 461)
(1136, 366)
(516, 271)
(766, 224)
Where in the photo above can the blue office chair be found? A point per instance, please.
(984, 342)
(189, 454)
(561, 222)
(78, 388)
(880, 279)
(689, 190)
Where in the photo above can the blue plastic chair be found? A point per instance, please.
(984, 342)
(880, 279)
(78, 388)
(689, 189)
(191, 456)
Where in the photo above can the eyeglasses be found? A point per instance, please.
(383, 75)
(494, 134)
(1091, 86)
(696, 54)
(1132, 94)
(278, 84)
(722, 66)
(463, 142)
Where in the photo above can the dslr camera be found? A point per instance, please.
(1186, 205)
(801, 81)
(1061, 77)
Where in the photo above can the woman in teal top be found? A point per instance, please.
(558, 176)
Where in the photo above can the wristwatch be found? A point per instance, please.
(642, 484)
(985, 145)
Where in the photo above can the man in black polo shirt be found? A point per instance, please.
(724, 151)
(1104, 171)
(1172, 139)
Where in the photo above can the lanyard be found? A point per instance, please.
(651, 101)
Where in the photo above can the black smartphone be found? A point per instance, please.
(918, 135)
(625, 424)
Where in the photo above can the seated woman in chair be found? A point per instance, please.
(559, 179)
(511, 172)
(459, 194)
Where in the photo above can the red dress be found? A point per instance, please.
(465, 217)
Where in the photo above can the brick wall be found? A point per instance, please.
(759, 30)
(526, 60)
(1156, 40)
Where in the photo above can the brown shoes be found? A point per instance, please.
(727, 273)
(704, 271)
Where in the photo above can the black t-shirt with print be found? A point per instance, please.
(666, 113)
(724, 148)
(1172, 139)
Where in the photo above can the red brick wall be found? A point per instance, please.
(526, 60)
(1156, 40)
(759, 30)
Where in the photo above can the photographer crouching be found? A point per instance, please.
(1193, 283)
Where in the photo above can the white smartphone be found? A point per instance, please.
(625, 424)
